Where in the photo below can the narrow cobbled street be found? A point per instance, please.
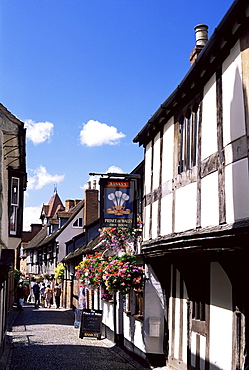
(46, 339)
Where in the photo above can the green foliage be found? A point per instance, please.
(59, 271)
(17, 274)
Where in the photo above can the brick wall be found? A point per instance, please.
(91, 207)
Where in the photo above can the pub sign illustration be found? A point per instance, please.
(117, 200)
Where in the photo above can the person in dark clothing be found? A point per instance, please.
(57, 295)
(36, 291)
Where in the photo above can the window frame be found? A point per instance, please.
(188, 128)
(15, 216)
(79, 222)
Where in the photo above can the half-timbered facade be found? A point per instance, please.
(12, 185)
(196, 206)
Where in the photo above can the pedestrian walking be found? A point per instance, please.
(19, 296)
(42, 292)
(57, 295)
(36, 291)
(48, 296)
(25, 292)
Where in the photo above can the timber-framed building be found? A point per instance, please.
(196, 207)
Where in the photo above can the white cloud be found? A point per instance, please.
(114, 169)
(31, 215)
(111, 169)
(95, 133)
(41, 178)
(38, 132)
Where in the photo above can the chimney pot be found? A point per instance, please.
(201, 34)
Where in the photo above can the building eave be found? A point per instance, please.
(214, 52)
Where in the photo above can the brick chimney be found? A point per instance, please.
(201, 35)
(91, 206)
(69, 204)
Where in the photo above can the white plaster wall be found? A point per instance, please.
(108, 315)
(232, 94)
(221, 319)
(168, 151)
(185, 207)
(166, 214)
(185, 325)
(180, 333)
(154, 308)
(154, 219)
(177, 317)
(133, 332)
(67, 234)
(170, 313)
(147, 169)
(146, 221)
(193, 349)
(209, 120)
(209, 200)
(156, 162)
(147, 189)
(202, 352)
(237, 191)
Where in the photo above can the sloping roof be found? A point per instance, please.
(84, 249)
(211, 56)
(38, 238)
(54, 205)
(10, 116)
(44, 239)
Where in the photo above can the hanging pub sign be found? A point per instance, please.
(117, 202)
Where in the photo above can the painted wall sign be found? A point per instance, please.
(91, 323)
(117, 203)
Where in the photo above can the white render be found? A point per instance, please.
(154, 309)
(209, 200)
(156, 162)
(185, 208)
(209, 126)
(67, 234)
(168, 151)
(233, 99)
(154, 219)
(237, 194)
(148, 159)
(221, 318)
(166, 214)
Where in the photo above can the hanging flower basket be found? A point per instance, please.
(122, 274)
(120, 239)
(90, 270)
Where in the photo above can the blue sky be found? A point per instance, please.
(86, 76)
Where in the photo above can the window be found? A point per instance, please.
(14, 204)
(78, 222)
(133, 303)
(188, 134)
(139, 303)
(200, 291)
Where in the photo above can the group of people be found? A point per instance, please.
(43, 295)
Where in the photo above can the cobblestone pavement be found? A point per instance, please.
(45, 339)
